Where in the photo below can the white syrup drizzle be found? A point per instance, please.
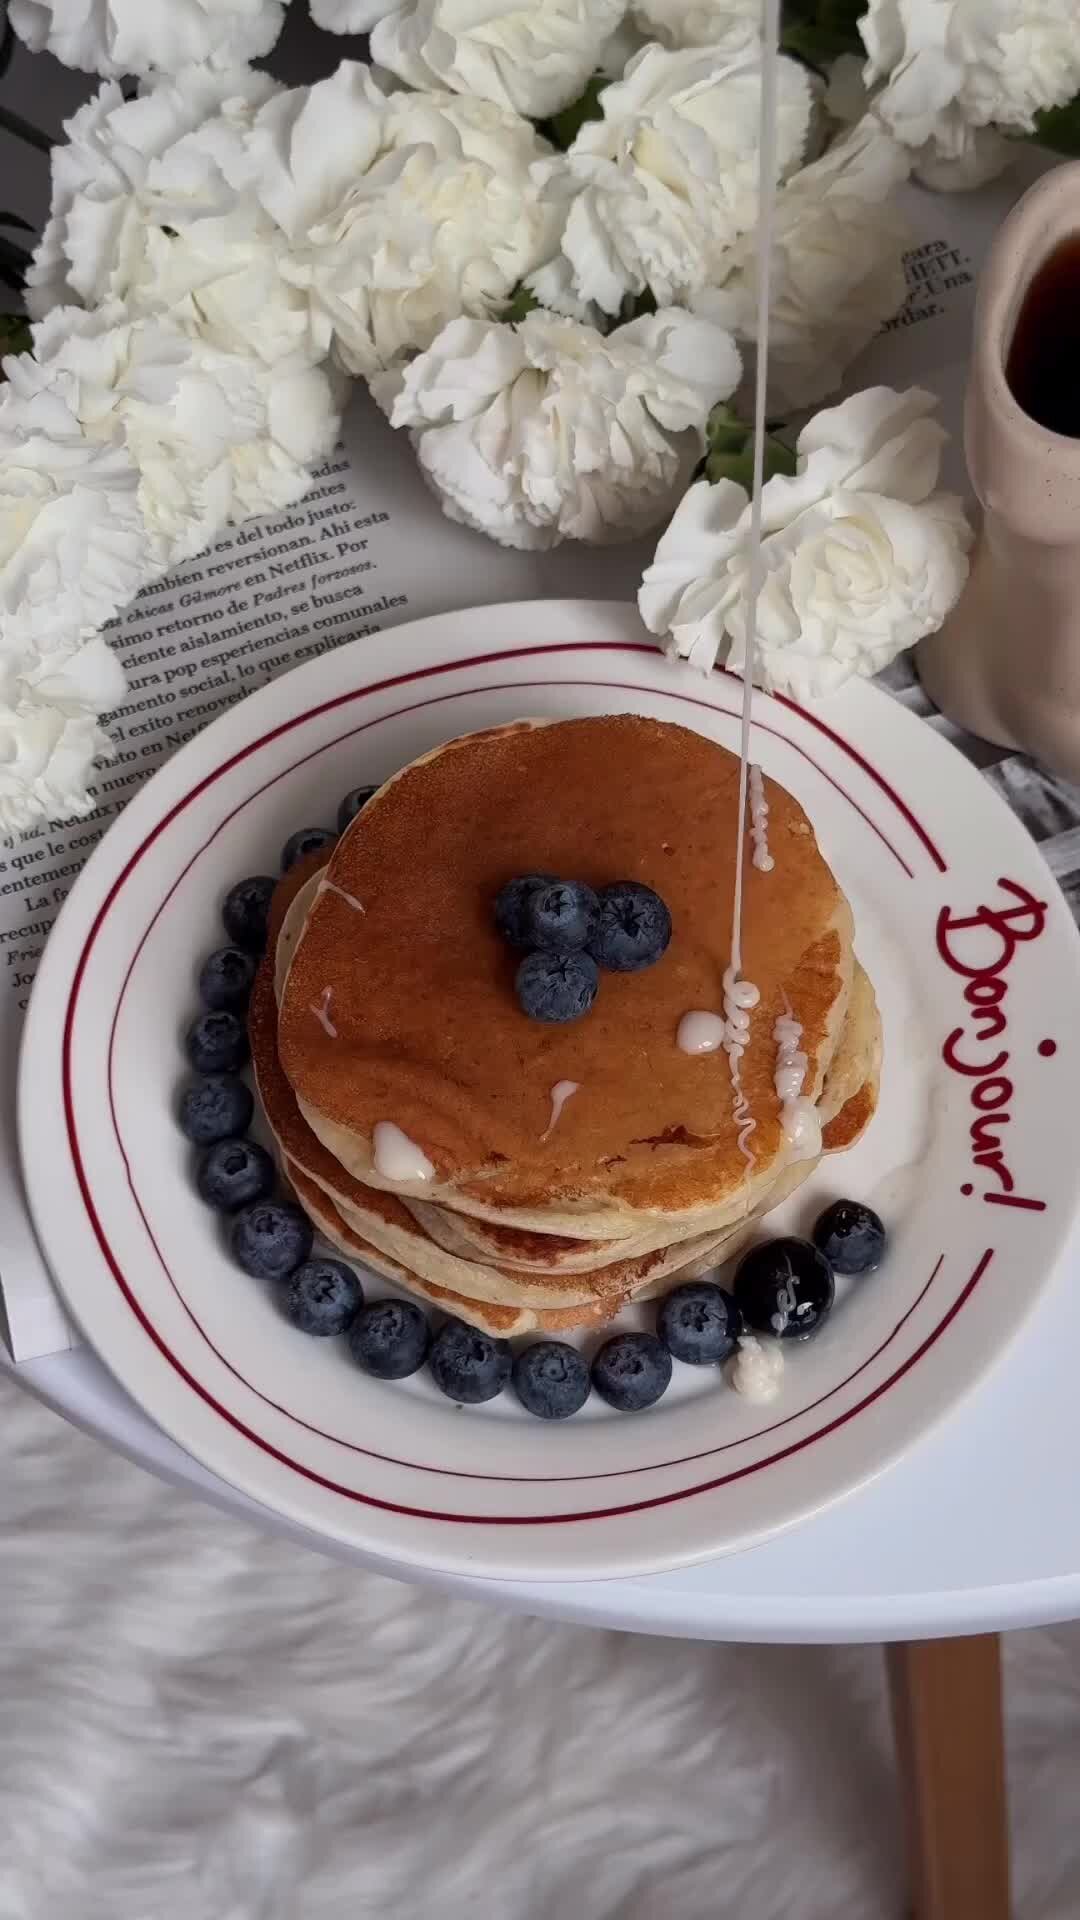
(321, 1010)
(700, 1032)
(759, 822)
(786, 1302)
(756, 1369)
(738, 992)
(396, 1156)
(798, 1115)
(740, 997)
(331, 886)
(561, 1092)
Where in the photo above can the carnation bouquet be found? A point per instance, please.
(531, 228)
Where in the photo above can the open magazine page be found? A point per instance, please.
(369, 548)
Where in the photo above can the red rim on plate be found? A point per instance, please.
(251, 770)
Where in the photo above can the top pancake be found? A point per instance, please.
(429, 1034)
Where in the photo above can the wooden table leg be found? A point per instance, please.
(946, 1705)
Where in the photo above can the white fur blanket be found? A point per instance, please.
(198, 1722)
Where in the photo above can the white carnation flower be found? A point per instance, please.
(142, 212)
(73, 544)
(696, 23)
(666, 182)
(213, 437)
(837, 266)
(115, 37)
(862, 556)
(531, 59)
(953, 65)
(976, 155)
(399, 211)
(548, 431)
(224, 281)
(73, 551)
(49, 733)
(350, 16)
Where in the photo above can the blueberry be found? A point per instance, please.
(352, 804)
(467, 1365)
(564, 914)
(234, 1173)
(307, 840)
(247, 910)
(390, 1339)
(556, 986)
(699, 1322)
(852, 1237)
(270, 1240)
(216, 1043)
(217, 1108)
(225, 980)
(784, 1287)
(634, 928)
(632, 1371)
(511, 902)
(323, 1296)
(551, 1379)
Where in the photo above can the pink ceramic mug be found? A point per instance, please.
(1006, 664)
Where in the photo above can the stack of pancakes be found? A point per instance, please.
(387, 996)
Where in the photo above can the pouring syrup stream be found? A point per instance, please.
(740, 995)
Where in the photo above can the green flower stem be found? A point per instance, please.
(729, 451)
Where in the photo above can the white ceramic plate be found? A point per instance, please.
(972, 1158)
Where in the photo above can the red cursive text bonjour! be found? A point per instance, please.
(981, 946)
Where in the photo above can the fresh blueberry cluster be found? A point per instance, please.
(271, 1239)
(783, 1287)
(570, 931)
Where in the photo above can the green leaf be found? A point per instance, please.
(841, 19)
(14, 334)
(729, 451)
(634, 306)
(819, 31)
(1059, 128)
(520, 303)
(563, 128)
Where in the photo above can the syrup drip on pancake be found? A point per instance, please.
(757, 1369)
(759, 822)
(321, 1010)
(741, 995)
(331, 886)
(700, 1032)
(561, 1092)
(397, 1157)
(798, 1115)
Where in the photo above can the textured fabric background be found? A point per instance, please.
(198, 1722)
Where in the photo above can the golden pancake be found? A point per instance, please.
(500, 1321)
(379, 1220)
(855, 1074)
(846, 1107)
(382, 1219)
(427, 1032)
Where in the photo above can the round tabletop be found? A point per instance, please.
(976, 1530)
